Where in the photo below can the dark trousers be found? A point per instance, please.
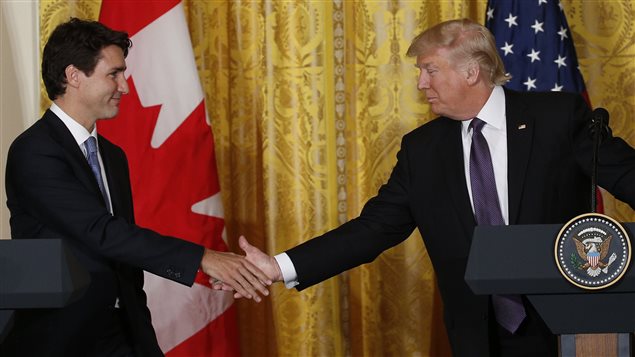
(23, 341)
(114, 341)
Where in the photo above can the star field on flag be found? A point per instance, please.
(535, 43)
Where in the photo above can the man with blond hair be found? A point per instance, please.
(492, 157)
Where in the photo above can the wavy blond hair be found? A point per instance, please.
(466, 41)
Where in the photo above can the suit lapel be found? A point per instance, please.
(454, 167)
(118, 179)
(77, 160)
(520, 131)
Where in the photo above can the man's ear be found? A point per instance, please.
(73, 75)
(472, 72)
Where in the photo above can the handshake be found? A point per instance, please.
(246, 275)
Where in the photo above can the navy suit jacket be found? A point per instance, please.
(549, 164)
(52, 193)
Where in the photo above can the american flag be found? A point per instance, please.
(535, 42)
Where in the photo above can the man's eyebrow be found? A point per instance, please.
(427, 65)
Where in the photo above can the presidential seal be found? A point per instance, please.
(592, 251)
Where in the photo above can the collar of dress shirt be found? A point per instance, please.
(77, 130)
(493, 112)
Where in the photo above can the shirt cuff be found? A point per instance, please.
(288, 270)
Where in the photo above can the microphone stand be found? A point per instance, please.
(597, 128)
(594, 164)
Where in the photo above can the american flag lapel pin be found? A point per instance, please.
(522, 126)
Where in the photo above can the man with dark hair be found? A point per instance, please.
(62, 50)
(492, 157)
(65, 181)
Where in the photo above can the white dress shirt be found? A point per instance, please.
(494, 131)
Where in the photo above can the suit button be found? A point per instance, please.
(173, 272)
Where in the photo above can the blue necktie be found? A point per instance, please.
(93, 161)
(509, 309)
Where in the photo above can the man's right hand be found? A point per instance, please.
(262, 261)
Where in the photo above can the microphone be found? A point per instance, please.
(600, 123)
(598, 129)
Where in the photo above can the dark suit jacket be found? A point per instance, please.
(549, 164)
(52, 193)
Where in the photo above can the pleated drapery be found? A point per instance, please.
(308, 102)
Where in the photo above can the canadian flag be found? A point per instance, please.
(162, 127)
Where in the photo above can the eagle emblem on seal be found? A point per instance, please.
(593, 245)
(592, 251)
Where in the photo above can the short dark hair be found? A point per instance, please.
(77, 42)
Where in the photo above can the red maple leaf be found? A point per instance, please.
(168, 180)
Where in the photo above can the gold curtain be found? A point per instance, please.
(308, 102)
